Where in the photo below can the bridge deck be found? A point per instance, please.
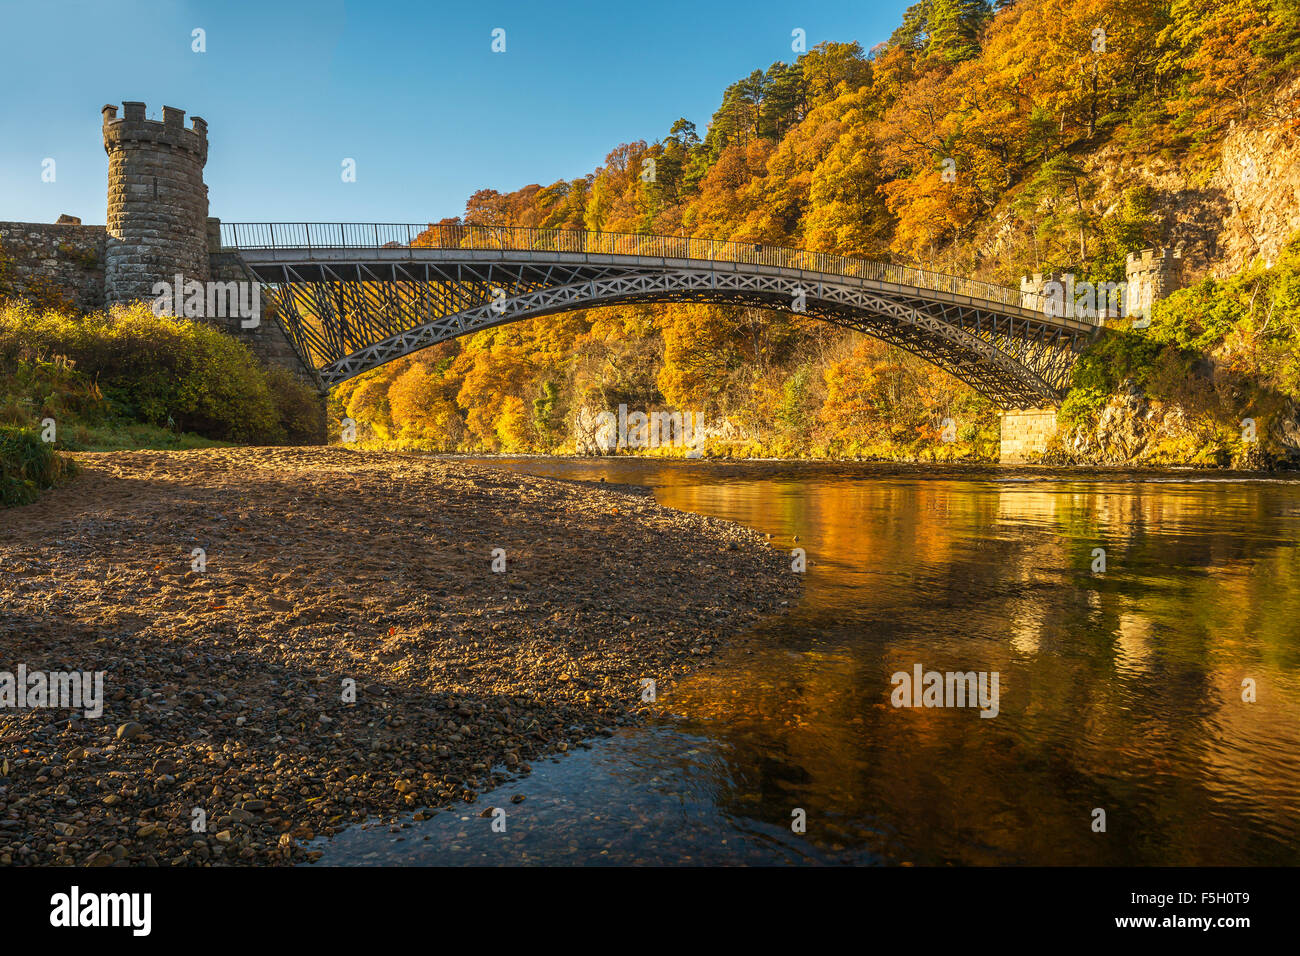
(405, 265)
(394, 242)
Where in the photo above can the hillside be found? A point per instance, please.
(989, 141)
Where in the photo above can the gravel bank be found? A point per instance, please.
(224, 687)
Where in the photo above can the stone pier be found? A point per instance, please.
(1025, 434)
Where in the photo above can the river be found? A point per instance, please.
(1119, 690)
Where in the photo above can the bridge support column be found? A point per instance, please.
(1025, 434)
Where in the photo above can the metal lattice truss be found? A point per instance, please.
(348, 311)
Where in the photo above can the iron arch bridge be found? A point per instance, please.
(353, 296)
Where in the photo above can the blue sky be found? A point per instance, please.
(412, 91)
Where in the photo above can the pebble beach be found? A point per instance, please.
(294, 640)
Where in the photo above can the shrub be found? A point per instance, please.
(1107, 363)
(27, 466)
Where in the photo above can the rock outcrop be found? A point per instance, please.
(1133, 429)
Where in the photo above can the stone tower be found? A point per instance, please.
(1151, 275)
(157, 201)
(1035, 293)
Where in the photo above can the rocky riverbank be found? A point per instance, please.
(341, 648)
(1132, 429)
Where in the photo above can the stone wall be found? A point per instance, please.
(1025, 434)
(47, 262)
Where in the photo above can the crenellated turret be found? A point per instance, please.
(157, 201)
(1150, 276)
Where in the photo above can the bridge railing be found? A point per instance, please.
(354, 235)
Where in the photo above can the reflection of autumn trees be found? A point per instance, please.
(1120, 691)
(845, 151)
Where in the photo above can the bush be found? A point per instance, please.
(27, 466)
(166, 372)
(297, 405)
(1106, 364)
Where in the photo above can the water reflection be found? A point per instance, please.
(1120, 690)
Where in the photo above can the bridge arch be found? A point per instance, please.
(351, 305)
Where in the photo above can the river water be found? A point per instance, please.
(1120, 691)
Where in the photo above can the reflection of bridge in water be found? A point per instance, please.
(353, 296)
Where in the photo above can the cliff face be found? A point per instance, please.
(1245, 209)
(1132, 429)
(1260, 179)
